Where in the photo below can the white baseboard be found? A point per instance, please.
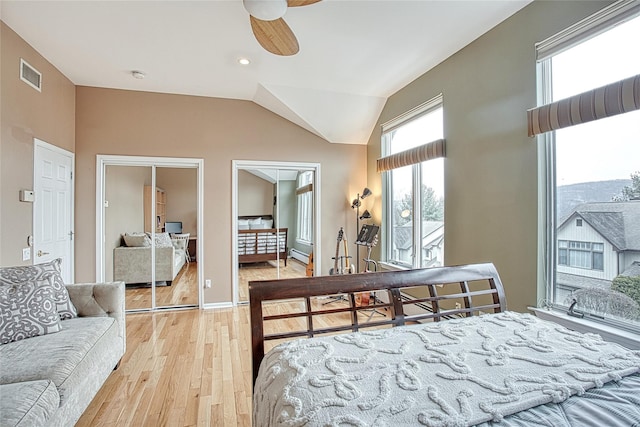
(214, 305)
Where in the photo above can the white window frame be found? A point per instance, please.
(387, 222)
(591, 26)
(304, 202)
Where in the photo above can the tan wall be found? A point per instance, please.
(286, 215)
(219, 131)
(181, 188)
(124, 190)
(255, 195)
(26, 114)
(491, 169)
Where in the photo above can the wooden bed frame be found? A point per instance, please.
(433, 291)
(251, 239)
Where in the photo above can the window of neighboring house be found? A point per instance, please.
(588, 255)
(413, 220)
(594, 168)
(304, 199)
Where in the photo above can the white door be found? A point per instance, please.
(53, 206)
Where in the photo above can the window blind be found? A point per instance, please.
(606, 101)
(422, 153)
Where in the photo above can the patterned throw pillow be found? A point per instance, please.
(27, 310)
(163, 240)
(32, 273)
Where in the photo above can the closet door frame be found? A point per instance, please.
(238, 165)
(102, 161)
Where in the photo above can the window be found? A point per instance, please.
(586, 255)
(304, 198)
(593, 170)
(413, 194)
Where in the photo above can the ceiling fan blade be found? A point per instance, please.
(275, 36)
(296, 3)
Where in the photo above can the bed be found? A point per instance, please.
(258, 241)
(421, 354)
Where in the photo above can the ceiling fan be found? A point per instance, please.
(268, 26)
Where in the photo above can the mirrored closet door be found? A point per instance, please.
(275, 207)
(150, 228)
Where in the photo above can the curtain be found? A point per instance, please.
(431, 150)
(606, 101)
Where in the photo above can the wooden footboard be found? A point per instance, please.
(398, 297)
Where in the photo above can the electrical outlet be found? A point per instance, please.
(26, 254)
(458, 306)
(207, 283)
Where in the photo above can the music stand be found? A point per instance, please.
(368, 236)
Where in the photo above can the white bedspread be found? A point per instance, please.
(455, 373)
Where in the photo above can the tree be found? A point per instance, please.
(629, 286)
(630, 192)
(432, 207)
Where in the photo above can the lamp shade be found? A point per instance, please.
(365, 215)
(365, 193)
(266, 10)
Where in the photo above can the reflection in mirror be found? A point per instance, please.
(177, 261)
(135, 213)
(126, 246)
(275, 223)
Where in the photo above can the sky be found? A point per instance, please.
(608, 148)
(422, 130)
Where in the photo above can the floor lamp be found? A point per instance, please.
(365, 215)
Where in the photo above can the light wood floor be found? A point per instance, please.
(183, 291)
(182, 368)
(185, 367)
(265, 271)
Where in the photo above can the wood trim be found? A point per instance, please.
(441, 283)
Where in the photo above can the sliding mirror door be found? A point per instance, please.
(127, 251)
(177, 261)
(275, 223)
(149, 215)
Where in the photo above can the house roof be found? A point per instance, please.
(633, 270)
(575, 281)
(403, 235)
(618, 222)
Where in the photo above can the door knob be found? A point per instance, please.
(40, 253)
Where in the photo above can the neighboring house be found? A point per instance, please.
(432, 243)
(596, 243)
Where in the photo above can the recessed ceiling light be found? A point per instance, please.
(244, 61)
(138, 74)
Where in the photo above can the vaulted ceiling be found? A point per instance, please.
(353, 54)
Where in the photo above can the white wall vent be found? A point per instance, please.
(30, 75)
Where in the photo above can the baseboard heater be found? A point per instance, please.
(299, 255)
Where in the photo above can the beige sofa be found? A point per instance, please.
(50, 379)
(133, 264)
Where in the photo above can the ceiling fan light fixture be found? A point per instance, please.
(266, 10)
